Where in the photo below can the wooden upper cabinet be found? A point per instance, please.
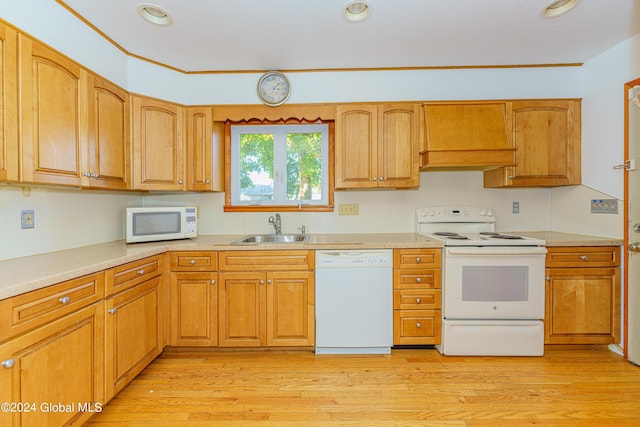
(205, 156)
(108, 164)
(547, 136)
(377, 145)
(158, 144)
(8, 104)
(467, 135)
(54, 107)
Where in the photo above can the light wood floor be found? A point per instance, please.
(569, 386)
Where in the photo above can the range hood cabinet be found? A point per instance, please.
(467, 135)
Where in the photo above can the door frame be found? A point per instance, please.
(627, 87)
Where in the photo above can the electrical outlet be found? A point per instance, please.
(515, 208)
(609, 206)
(349, 209)
(27, 219)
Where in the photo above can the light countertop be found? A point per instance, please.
(25, 274)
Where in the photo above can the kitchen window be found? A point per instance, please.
(279, 166)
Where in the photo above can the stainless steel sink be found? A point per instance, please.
(253, 239)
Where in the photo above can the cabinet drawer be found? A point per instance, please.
(417, 300)
(417, 258)
(27, 311)
(127, 275)
(416, 327)
(194, 261)
(266, 260)
(591, 256)
(416, 279)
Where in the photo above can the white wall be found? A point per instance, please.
(67, 218)
(64, 218)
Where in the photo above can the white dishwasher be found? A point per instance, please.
(354, 301)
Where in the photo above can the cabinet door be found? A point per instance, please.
(54, 111)
(132, 333)
(108, 164)
(58, 364)
(202, 152)
(398, 137)
(194, 309)
(8, 104)
(547, 136)
(356, 158)
(290, 309)
(582, 306)
(242, 309)
(158, 152)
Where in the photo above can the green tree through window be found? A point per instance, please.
(279, 164)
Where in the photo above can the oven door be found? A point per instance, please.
(494, 283)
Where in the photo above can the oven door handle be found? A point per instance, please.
(480, 251)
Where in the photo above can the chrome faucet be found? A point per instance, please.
(277, 223)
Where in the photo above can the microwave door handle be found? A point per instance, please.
(497, 251)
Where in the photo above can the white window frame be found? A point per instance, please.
(279, 163)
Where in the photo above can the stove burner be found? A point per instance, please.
(445, 234)
(489, 233)
(458, 237)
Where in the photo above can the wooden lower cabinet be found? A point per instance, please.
(53, 375)
(266, 308)
(582, 295)
(132, 333)
(194, 309)
(417, 297)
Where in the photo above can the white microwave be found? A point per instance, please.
(164, 223)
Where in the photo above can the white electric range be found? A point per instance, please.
(492, 284)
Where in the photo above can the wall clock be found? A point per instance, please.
(273, 88)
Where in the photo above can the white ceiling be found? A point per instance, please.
(252, 35)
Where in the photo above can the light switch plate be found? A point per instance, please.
(609, 206)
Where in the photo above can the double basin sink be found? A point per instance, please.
(253, 239)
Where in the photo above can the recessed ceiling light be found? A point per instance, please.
(558, 7)
(356, 11)
(154, 14)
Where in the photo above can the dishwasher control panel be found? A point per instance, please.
(354, 258)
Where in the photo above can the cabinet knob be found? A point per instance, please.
(418, 259)
(213, 282)
(418, 300)
(193, 261)
(208, 181)
(375, 179)
(584, 257)
(87, 174)
(418, 279)
(510, 177)
(269, 281)
(547, 278)
(141, 272)
(418, 325)
(64, 300)
(381, 178)
(8, 363)
(262, 282)
(179, 181)
(94, 175)
(112, 310)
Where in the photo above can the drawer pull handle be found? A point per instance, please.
(418, 300)
(141, 272)
(584, 257)
(112, 310)
(418, 279)
(8, 363)
(418, 259)
(193, 261)
(64, 300)
(418, 325)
